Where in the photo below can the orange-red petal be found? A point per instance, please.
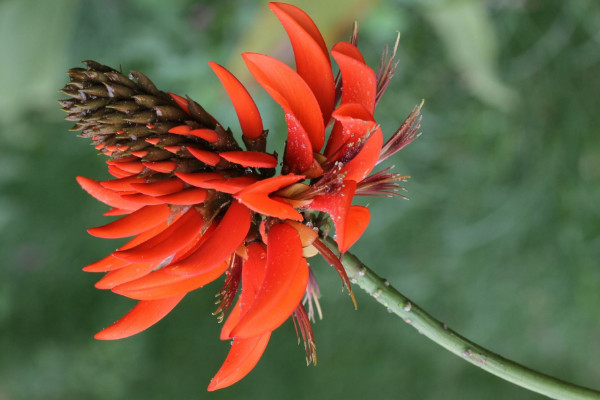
(310, 52)
(242, 358)
(161, 166)
(107, 196)
(358, 79)
(254, 159)
(177, 236)
(181, 102)
(283, 287)
(256, 197)
(160, 284)
(225, 239)
(291, 92)
(245, 108)
(126, 274)
(185, 197)
(142, 316)
(207, 157)
(356, 223)
(137, 222)
(159, 188)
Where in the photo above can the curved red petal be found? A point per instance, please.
(310, 52)
(141, 317)
(254, 159)
(298, 155)
(242, 358)
(108, 263)
(107, 196)
(207, 157)
(161, 284)
(256, 197)
(122, 184)
(230, 185)
(291, 92)
(159, 188)
(225, 239)
(161, 166)
(358, 79)
(198, 179)
(142, 199)
(114, 212)
(337, 206)
(253, 274)
(283, 287)
(356, 223)
(245, 108)
(185, 197)
(137, 222)
(177, 130)
(181, 102)
(362, 165)
(177, 236)
(207, 134)
(118, 172)
(353, 121)
(125, 274)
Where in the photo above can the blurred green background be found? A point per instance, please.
(500, 238)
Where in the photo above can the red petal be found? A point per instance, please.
(207, 134)
(134, 223)
(134, 167)
(198, 179)
(118, 172)
(253, 274)
(356, 223)
(159, 188)
(283, 287)
(353, 121)
(362, 165)
(142, 316)
(185, 197)
(161, 284)
(242, 358)
(107, 196)
(156, 140)
(358, 79)
(177, 236)
(181, 102)
(142, 199)
(161, 166)
(122, 184)
(310, 51)
(226, 238)
(298, 155)
(291, 92)
(207, 157)
(140, 153)
(337, 206)
(245, 108)
(115, 212)
(256, 197)
(356, 122)
(177, 130)
(108, 263)
(254, 159)
(230, 185)
(125, 274)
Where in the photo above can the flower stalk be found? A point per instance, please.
(440, 333)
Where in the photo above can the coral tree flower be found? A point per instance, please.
(198, 205)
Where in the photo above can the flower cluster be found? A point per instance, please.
(199, 205)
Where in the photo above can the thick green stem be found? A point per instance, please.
(439, 332)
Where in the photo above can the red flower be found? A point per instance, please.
(199, 206)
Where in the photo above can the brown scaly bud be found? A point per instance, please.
(146, 131)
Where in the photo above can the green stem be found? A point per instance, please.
(435, 330)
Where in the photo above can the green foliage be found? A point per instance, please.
(500, 239)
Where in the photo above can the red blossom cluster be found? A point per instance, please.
(199, 206)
